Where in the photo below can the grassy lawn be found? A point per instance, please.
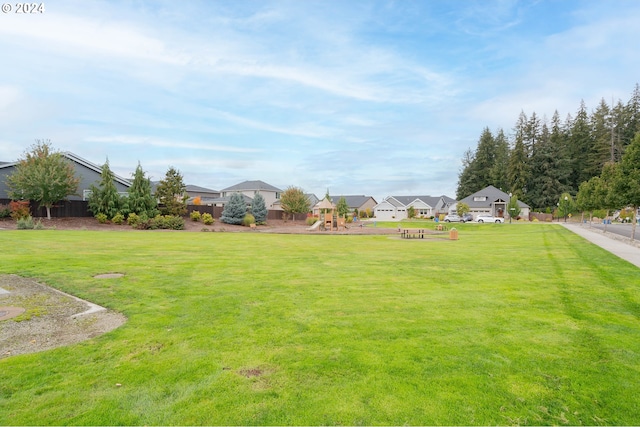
(521, 324)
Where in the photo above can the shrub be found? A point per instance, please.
(25, 223)
(234, 210)
(118, 219)
(19, 209)
(141, 222)
(207, 219)
(195, 216)
(248, 220)
(133, 219)
(311, 220)
(5, 211)
(102, 218)
(166, 222)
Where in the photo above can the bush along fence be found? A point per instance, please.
(80, 209)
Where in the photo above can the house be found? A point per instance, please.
(88, 173)
(312, 198)
(359, 203)
(207, 196)
(395, 207)
(492, 201)
(269, 193)
(222, 201)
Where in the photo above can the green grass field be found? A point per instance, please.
(511, 324)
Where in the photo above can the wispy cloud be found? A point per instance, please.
(158, 142)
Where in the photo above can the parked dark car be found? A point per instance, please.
(466, 218)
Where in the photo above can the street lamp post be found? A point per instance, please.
(510, 208)
(566, 199)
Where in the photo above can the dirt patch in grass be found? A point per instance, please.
(50, 319)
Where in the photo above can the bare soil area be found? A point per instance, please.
(50, 318)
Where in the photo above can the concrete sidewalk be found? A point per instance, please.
(621, 247)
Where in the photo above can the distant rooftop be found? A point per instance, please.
(252, 185)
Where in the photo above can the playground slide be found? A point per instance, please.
(315, 225)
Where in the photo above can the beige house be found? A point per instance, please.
(250, 189)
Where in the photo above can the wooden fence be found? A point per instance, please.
(80, 208)
(62, 209)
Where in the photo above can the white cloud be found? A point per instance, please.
(159, 142)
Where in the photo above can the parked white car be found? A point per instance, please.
(452, 218)
(489, 218)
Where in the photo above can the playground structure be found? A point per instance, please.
(329, 219)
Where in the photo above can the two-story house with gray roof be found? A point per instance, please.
(249, 189)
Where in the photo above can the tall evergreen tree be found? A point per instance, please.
(601, 132)
(467, 179)
(632, 116)
(544, 185)
(619, 115)
(172, 193)
(485, 159)
(499, 170)
(579, 148)
(259, 209)
(558, 138)
(141, 200)
(519, 173)
(104, 198)
(532, 133)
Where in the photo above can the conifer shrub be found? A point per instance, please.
(118, 219)
(132, 219)
(259, 209)
(195, 216)
(5, 211)
(166, 222)
(102, 218)
(235, 210)
(248, 220)
(25, 223)
(207, 219)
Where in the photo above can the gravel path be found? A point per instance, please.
(51, 318)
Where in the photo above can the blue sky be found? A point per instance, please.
(357, 97)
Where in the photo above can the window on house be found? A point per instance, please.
(480, 198)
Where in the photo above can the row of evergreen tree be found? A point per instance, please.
(540, 160)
